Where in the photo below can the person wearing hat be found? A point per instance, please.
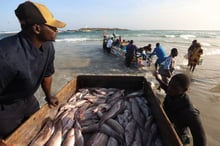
(27, 62)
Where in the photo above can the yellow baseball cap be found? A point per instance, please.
(35, 13)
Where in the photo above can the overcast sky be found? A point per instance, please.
(130, 14)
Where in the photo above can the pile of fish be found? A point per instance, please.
(101, 117)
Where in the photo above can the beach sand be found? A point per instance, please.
(204, 90)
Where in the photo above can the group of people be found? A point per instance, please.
(177, 104)
(27, 62)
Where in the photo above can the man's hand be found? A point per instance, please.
(52, 101)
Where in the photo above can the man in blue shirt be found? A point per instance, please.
(26, 62)
(160, 53)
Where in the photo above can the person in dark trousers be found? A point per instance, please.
(26, 62)
(104, 45)
(180, 110)
(130, 53)
(160, 53)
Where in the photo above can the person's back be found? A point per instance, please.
(130, 50)
(130, 53)
(160, 53)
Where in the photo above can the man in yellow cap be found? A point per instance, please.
(26, 62)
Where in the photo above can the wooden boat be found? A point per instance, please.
(26, 132)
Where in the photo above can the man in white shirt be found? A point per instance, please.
(109, 45)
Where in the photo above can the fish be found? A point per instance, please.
(113, 124)
(114, 110)
(143, 107)
(137, 115)
(56, 138)
(147, 129)
(78, 134)
(153, 134)
(44, 134)
(117, 95)
(112, 142)
(88, 122)
(64, 107)
(97, 139)
(130, 132)
(69, 140)
(101, 139)
(134, 94)
(138, 137)
(110, 132)
(68, 121)
(102, 107)
(158, 142)
(91, 128)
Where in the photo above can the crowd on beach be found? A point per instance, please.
(27, 62)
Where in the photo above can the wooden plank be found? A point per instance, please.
(26, 132)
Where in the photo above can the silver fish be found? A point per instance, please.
(133, 94)
(113, 124)
(143, 106)
(69, 140)
(45, 133)
(130, 132)
(147, 129)
(153, 134)
(112, 112)
(101, 139)
(90, 129)
(137, 115)
(112, 142)
(78, 134)
(110, 132)
(56, 138)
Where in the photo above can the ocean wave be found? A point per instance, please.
(76, 39)
(204, 44)
(211, 52)
(170, 36)
(187, 36)
(71, 39)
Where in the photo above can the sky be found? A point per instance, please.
(127, 14)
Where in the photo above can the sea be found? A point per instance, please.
(79, 52)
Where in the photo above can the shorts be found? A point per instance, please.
(164, 72)
(13, 115)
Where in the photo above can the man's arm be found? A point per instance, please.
(162, 84)
(196, 128)
(46, 86)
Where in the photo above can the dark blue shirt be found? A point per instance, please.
(182, 113)
(131, 50)
(23, 67)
